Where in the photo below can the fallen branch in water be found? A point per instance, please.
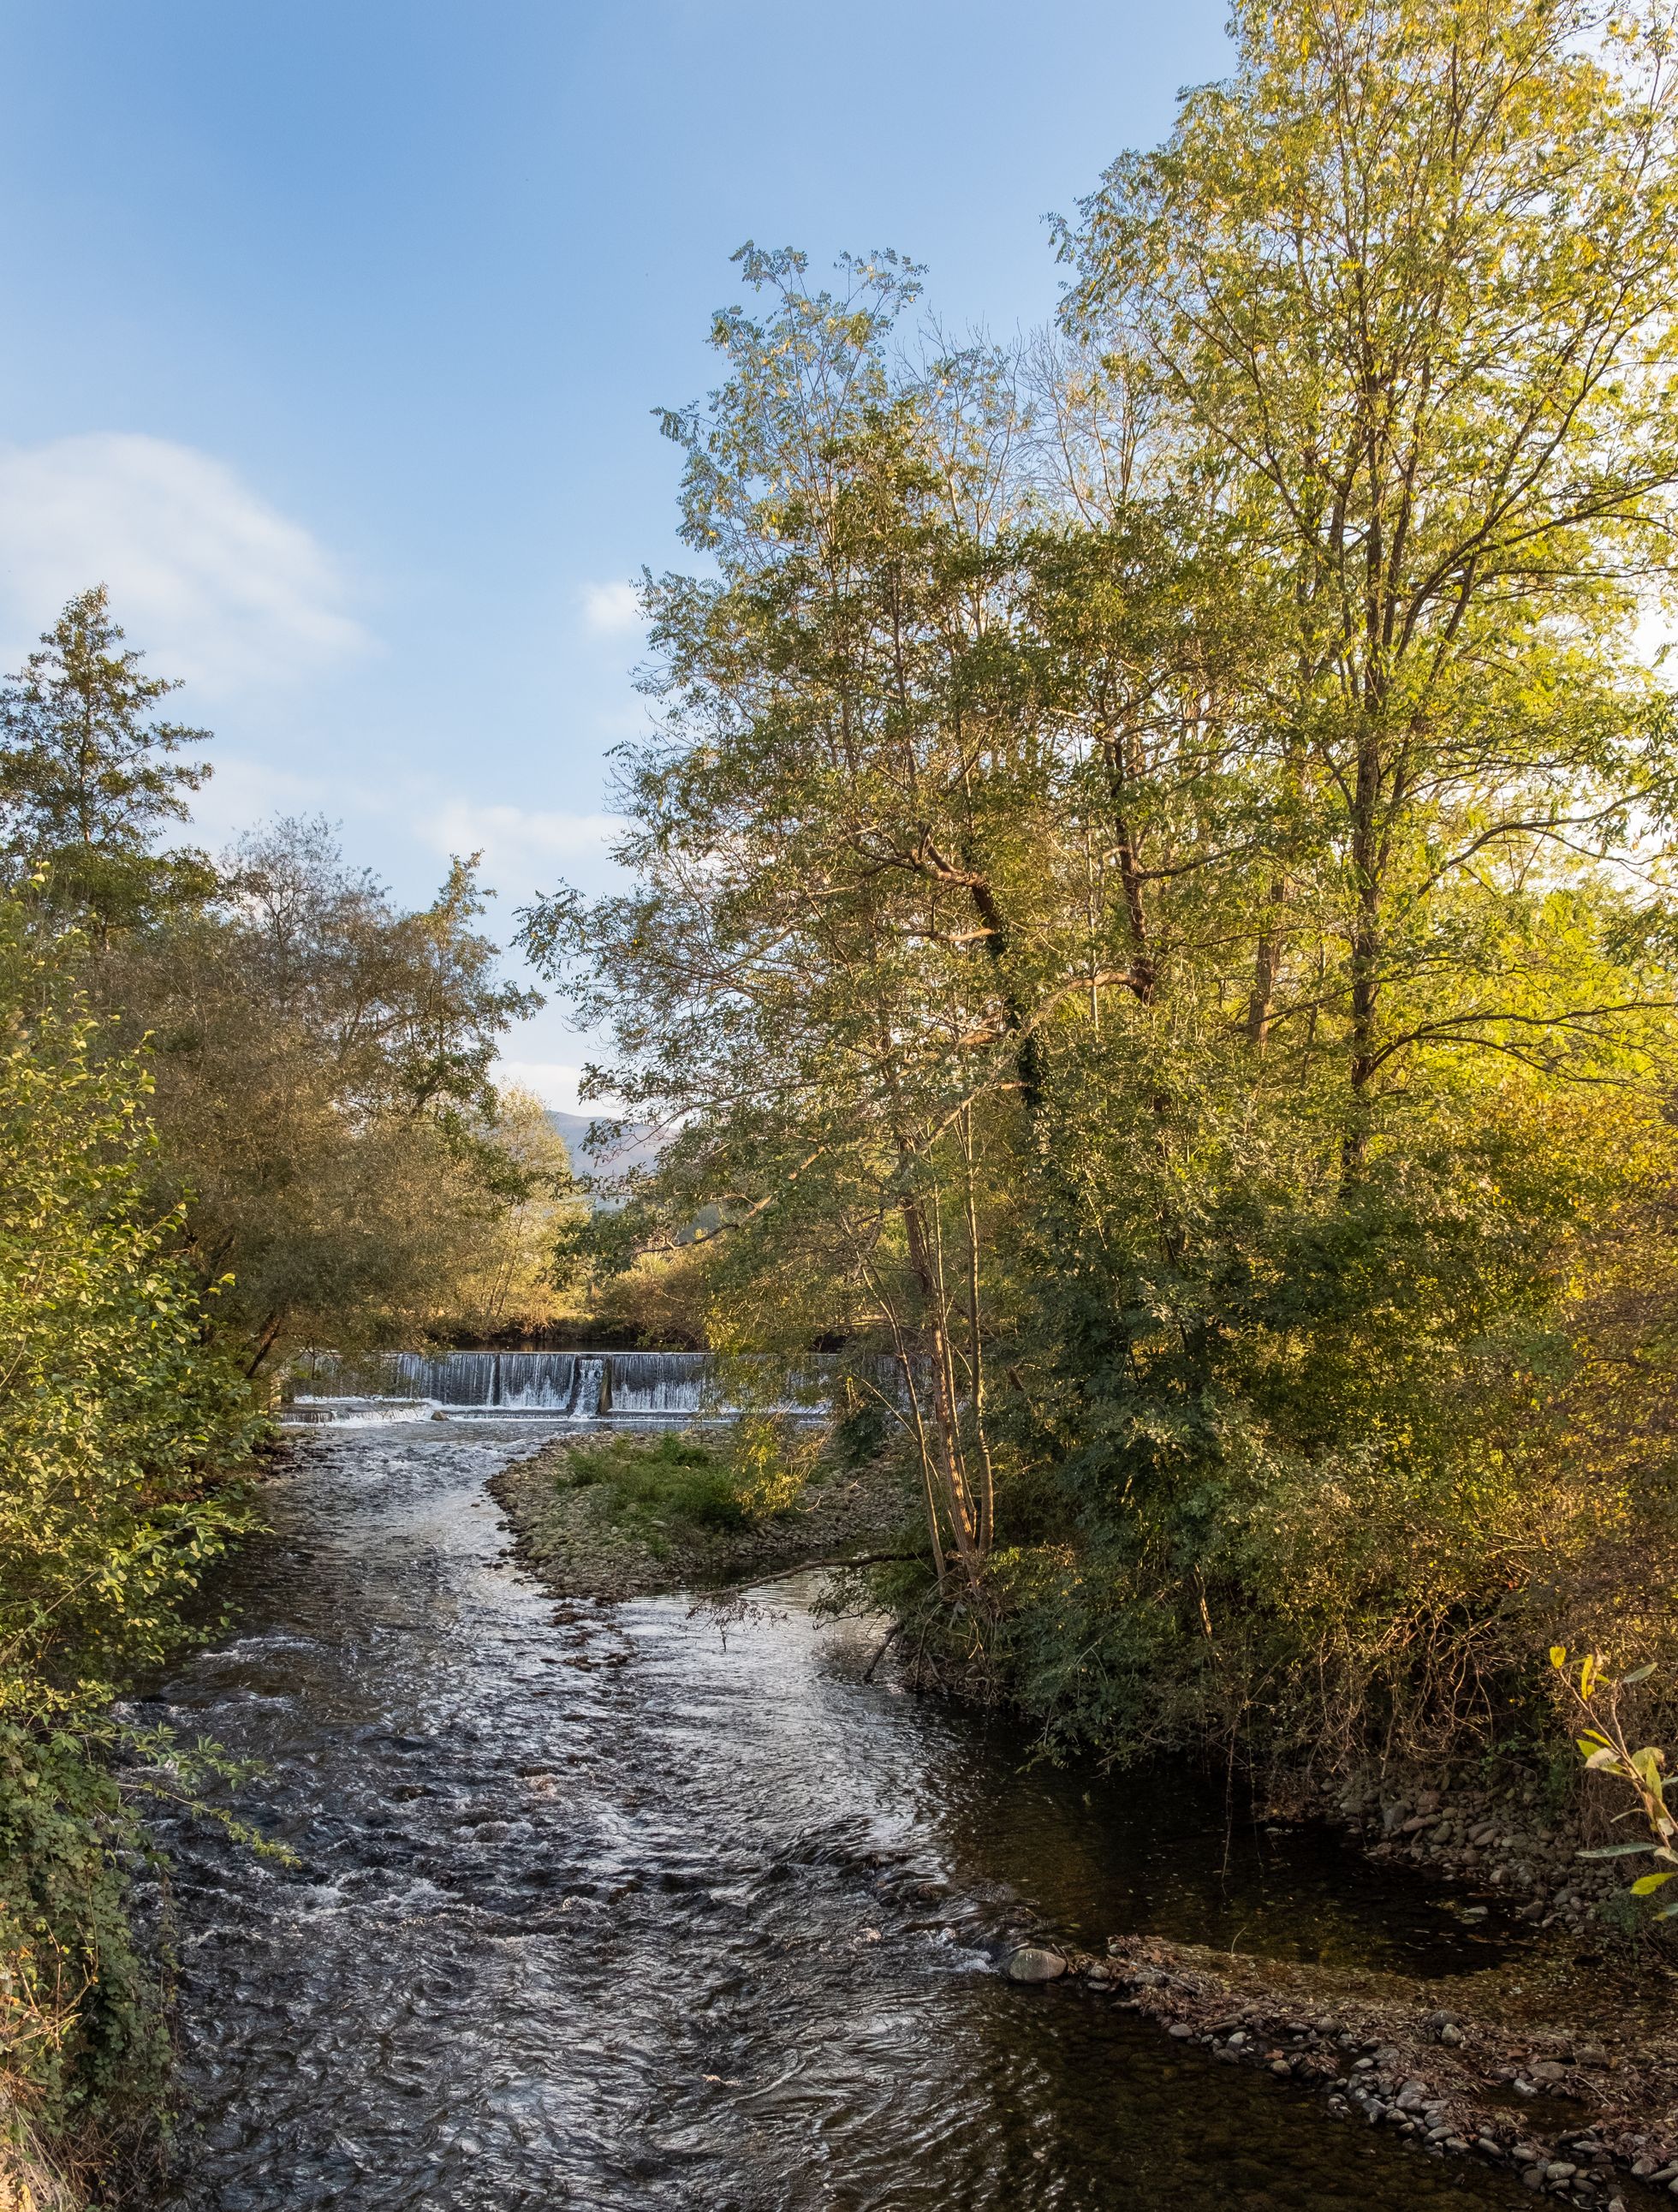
(891, 1636)
(815, 1566)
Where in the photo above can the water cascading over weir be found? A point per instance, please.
(575, 1385)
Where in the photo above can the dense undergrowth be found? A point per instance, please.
(120, 1434)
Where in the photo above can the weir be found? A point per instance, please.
(580, 1385)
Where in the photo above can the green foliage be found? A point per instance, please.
(86, 2032)
(114, 1420)
(328, 1130)
(119, 1428)
(860, 1436)
(679, 1477)
(1605, 1748)
(326, 1122)
(86, 777)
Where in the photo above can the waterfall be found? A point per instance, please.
(588, 1399)
(658, 1382)
(586, 1385)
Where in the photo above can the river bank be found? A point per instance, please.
(1589, 2115)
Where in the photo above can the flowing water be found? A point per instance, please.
(616, 1908)
(575, 1385)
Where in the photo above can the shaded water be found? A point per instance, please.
(596, 1909)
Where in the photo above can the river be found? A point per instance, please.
(618, 1908)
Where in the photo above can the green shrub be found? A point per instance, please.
(118, 1425)
(86, 2044)
(677, 1478)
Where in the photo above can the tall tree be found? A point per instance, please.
(1401, 289)
(831, 963)
(88, 774)
(325, 1115)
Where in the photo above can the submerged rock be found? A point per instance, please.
(1030, 1965)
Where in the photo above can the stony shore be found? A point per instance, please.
(1561, 2062)
(1589, 2117)
(1503, 1841)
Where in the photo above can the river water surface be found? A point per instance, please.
(612, 1908)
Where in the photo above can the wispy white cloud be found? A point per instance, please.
(520, 846)
(611, 610)
(242, 793)
(215, 584)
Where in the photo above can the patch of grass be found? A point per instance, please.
(675, 1480)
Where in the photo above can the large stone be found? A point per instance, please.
(1030, 1965)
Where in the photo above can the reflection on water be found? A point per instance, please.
(595, 1909)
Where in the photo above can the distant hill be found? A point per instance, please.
(637, 1147)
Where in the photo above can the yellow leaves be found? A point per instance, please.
(1605, 1749)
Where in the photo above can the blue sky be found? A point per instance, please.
(333, 331)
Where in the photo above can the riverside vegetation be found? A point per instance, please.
(244, 1105)
(1153, 902)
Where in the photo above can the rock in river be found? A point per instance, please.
(1030, 1965)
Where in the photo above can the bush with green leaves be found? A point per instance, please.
(119, 1429)
(116, 1423)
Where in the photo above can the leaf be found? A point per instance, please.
(1647, 1882)
(1616, 1851)
(1641, 1675)
(1557, 1655)
(1603, 1758)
